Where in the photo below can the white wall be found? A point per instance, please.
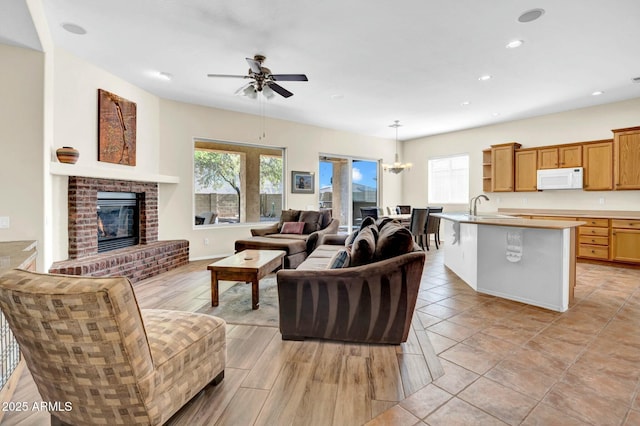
(21, 134)
(585, 124)
(75, 116)
(180, 123)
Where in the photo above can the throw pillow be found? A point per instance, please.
(288, 216)
(352, 236)
(367, 221)
(292, 228)
(394, 240)
(311, 220)
(340, 259)
(326, 218)
(364, 246)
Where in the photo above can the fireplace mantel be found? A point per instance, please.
(62, 169)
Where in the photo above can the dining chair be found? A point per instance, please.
(403, 209)
(432, 226)
(369, 211)
(418, 225)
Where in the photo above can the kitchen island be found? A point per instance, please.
(526, 260)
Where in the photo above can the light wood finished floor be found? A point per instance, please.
(501, 362)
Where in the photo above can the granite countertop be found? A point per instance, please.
(501, 219)
(16, 254)
(603, 214)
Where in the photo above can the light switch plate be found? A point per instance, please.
(4, 222)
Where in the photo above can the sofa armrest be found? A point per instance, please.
(315, 237)
(333, 239)
(260, 232)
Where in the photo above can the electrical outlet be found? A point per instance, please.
(205, 241)
(498, 199)
(524, 200)
(601, 200)
(4, 222)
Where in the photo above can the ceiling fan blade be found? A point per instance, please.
(289, 77)
(226, 75)
(280, 90)
(254, 65)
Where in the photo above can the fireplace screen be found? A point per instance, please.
(117, 220)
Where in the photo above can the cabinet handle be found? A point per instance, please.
(593, 251)
(593, 241)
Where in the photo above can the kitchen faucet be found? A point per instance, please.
(474, 202)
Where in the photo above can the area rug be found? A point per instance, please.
(235, 304)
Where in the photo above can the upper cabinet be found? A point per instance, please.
(597, 160)
(560, 157)
(626, 148)
(502, 166)
(526, 178)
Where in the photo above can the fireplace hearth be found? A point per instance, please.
(128, 211)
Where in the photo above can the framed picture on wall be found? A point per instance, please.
(302, 182)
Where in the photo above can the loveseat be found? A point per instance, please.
(297, 233)
(372, 302)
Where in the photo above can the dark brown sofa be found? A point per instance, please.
(370, 303)
(297, 246)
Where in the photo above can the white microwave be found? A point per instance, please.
(567, 178)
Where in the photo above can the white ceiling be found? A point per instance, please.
(368, 62)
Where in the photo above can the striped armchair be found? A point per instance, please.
(88, 345)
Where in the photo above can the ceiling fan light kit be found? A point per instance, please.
(397, 166)
(263, 80)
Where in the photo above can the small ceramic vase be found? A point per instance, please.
(67, 154)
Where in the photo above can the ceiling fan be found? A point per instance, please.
(263, 80)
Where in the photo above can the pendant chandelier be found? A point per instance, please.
(397, 166)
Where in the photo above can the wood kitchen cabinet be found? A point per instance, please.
(502, 166)
(625, 240)
(560, 157)
(597, 160)
(626, 152)
(593, 239)
(486, 170)
(526, 161)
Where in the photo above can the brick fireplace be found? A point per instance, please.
(141, 261)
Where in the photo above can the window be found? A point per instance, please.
(237, 183)
(449, 179)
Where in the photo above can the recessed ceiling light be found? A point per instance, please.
(484, 77)
(530, 15)
(337, 96)
(515, 43)
(465, 103)
(495, 114)
(164, 76)
(74, 28)
(597, 93)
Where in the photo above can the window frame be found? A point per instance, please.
(201, 140)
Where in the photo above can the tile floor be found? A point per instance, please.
(510, 363)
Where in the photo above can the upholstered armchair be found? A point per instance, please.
(87, 343)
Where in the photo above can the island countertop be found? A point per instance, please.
(604, 214)
(16, 254)
(501, 219)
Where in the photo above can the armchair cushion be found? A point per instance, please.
(340, 259)
(288, 216)
(311, 220)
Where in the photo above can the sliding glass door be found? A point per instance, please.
(346, 184)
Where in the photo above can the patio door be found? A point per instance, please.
(346, 184)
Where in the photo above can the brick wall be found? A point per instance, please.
(143, 260)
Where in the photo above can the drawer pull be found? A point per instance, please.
(593, 251)
(593, 241)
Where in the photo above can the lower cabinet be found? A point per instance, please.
(625, 240)
(593, 239)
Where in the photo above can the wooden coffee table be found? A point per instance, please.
(247, 266)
